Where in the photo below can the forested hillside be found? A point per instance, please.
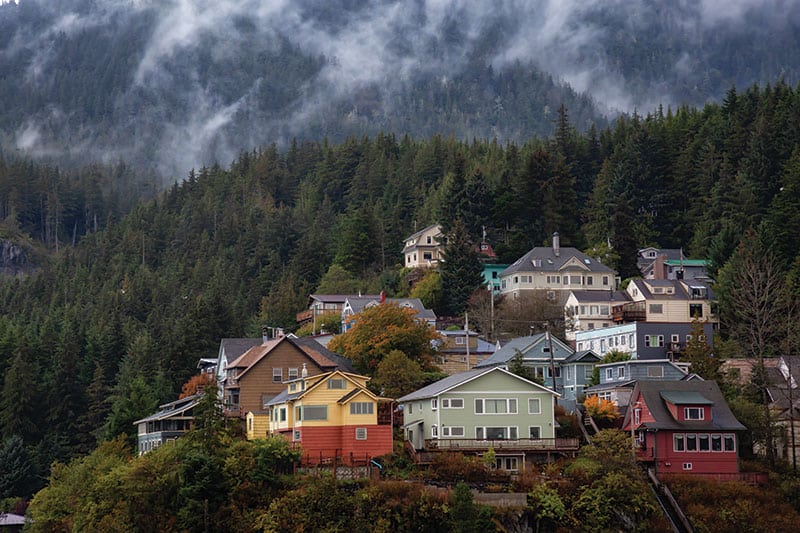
(113, 326)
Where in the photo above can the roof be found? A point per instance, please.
(450, 382)
(524, 345)
(338, 298)
(652, 394)
(358, 304)
(601, 296)
(550, 262)
(286, 396)
(583, 356)
(176, 408)
(423, 231)
(680, 288)
(321, 356)
(233, 348)
(685, 398)
(687, 262)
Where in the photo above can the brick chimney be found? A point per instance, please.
(556, 244)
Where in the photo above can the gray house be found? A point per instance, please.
(618, 379)
(482, 409)
(170, 422)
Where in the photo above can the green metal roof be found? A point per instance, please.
(685, 397)
(687, 262)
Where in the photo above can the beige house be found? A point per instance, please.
(675, 301)
(557, 271)
(423, 249)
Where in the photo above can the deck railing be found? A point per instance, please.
(559, 444)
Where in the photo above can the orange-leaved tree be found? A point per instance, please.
(381, 329)
(600, 408)
(196, 383)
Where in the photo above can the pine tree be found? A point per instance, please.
(461, 270)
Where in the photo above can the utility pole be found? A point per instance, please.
(552, 359)
(466, 332)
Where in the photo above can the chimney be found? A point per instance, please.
(264, 334)
(659, 267)
(556, 244)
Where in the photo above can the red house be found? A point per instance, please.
(684, 427)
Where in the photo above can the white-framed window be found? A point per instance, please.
(296, 435)
(609, 373)
(434, 431)
(691, 442)
(362, 408)
(534, 406)
(293, 373)
(729, 442)
(704, 443)
(361, 433)
(410, 408)
(550, 372)
(605, 280)
(282, 414)
(434, 404)
(337, 383)
(509, 463)
(637, 417)
(620, 372)
(277, 375)
(693, 413)
(460, 341)
(496, 433)
(674, 338)
(452, 431)
(687, 466)
(495, 406)
(452, 403)
(534, 432)
(716, 443)
(654, 341)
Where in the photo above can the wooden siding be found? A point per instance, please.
(257, 383)
(336, 441)
(257, 425)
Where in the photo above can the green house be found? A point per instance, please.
(482, 409)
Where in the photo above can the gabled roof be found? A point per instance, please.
(550, 262)
(524, 345)
(422, 232)
(176, 408)
(455, 380)
(321, 356)
(286, 396)
(652, 393)
(337, 298)
(233, 348)
(583, 356)
(358, 304)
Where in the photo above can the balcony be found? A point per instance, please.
(521, 445)
(630, 312)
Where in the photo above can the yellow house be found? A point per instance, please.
(330, 415)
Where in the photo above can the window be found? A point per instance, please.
(534, 406)
(687, 466)
(605, 280)
(693, 413)
(507, 463)
(675, 338)
(631, 341)
(696, 310)
(637, 417)
(361, 433)
(495, 433)
(534, 432)
(609, 373)
(602, 345)
(654, 341)
(434, 404)
(589, 280)
(575, 280)
(337, 383)
(434, 431)
(296, 434)
(452, 431)
(716, 443)
(460, 340)
(427, 256)
(703, 443)
(429, 240)
(298, 414)
(362, 408)
(411, 408)
(315, 412)
(277, 375)
(293, 373)
(620, 372)
(730, 443)
(657, 308)
(292, 387)
(622, 340)
(550, 372)
(452, 403)
(495, 406)
(283, 414)
(604, 310)
(691, 443)
(587, 372)
(655, 372)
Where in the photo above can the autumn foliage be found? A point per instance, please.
(600, 408)
(196, 383)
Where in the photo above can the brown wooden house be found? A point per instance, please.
(257, 376)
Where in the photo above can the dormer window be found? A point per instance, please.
(693, 413)
(337, 384)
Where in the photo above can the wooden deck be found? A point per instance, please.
(519, 445)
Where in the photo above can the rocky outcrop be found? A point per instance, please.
(14, 261)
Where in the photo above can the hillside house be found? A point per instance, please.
(482, 409)
(642, 340)
(171, 421)
(258, 375)
(331, 416)
(353, 306)
(555, 271)
(684, 427)
(423, 249)
(459, 350)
